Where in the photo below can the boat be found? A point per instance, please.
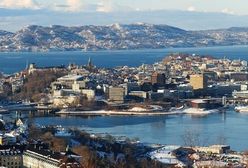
(62, 132)
(241, 109)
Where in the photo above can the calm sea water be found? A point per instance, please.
(212, 129)
(14, 62)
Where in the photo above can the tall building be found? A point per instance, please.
(31, 68)
(41, 158)
(158, 78)
(67, 81)
(116, 94)
(11, 158)
(198, 81)
(37, 156)
(130, 86)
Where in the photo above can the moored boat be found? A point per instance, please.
(241, 109)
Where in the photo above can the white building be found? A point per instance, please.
(89, 93)
(40, 159)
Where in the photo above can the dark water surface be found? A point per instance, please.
(212, 129)
(14, 62)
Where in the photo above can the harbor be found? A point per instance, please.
(165, 129)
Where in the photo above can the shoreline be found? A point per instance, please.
(112, 113)
(121, 49)
(136, 113)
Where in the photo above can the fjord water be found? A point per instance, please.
(15, 61)
(230, 127)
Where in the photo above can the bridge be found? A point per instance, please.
(28, 108)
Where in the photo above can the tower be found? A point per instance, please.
(89, 65)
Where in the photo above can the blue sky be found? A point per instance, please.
(229, 6)
(238, 7)
(186, 14)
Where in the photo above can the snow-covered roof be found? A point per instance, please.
(165, 155)
(198, 101)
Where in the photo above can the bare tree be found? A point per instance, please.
(37, 83)
(88, 159)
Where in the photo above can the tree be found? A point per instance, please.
(37, 83)
(88, 158)
(7, 89)
(47, 137)
(34, 132)
(58, 144)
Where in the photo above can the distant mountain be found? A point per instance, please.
(116, 36)
(5, 33)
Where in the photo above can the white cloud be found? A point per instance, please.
(67, 5)
(17, 4)
(75, 5)
(228, 11)
(191, 9)
(105, 6)
(110, 6)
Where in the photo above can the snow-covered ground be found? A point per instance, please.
(143, 111)
(165, 155)
(197, 111)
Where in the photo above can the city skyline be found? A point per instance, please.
(123, 83)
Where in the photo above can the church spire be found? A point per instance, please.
(90, 65)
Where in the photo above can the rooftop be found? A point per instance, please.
(165, 155)
(71, 78)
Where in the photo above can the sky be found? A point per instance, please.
(186, 14)
(238, 7)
